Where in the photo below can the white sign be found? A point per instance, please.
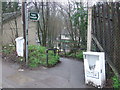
(94, 67)
(93, 74)
(20, 46)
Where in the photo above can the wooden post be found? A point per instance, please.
(89, 38)
(25, 29)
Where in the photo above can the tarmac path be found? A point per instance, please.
(67, 74)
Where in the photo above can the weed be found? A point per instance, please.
(116, 82)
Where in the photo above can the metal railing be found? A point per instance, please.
(55, 50)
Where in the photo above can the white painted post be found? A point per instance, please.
(89, 38)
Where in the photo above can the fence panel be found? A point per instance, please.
(106, 29)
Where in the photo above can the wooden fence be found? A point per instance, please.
(106, 32)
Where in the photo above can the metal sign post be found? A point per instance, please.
(25, 29)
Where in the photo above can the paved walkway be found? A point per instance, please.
(68, 74)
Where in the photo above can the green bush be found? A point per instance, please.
(53, 60)
(72, 55)
(116, 82)
(79, 55)
(37, 56)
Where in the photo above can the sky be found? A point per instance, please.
(91, 2)
(63, 0)
(53, 0)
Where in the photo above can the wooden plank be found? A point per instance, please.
(95, 26)
(117, 38)
(114, 69)
(93, 22)
(101, 25)
(111, 31)
(104, 26)
(96, 18)
(97, 43)
(110, 37)
(98, 23)
(0, 12)
(108, 28)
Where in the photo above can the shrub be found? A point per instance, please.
(116, 82)
(79, 55)
(53, 60)
(37, 56)
(72, 55)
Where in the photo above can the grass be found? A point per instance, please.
(9, 52)
(8, 49)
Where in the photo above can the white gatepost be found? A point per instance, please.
(89, 37)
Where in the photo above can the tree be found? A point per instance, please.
(8, 7)
(42, 25)
(80, 21)
(4, 6)
(48, 26)
(75, 16)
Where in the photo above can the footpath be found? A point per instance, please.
(67, 74)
